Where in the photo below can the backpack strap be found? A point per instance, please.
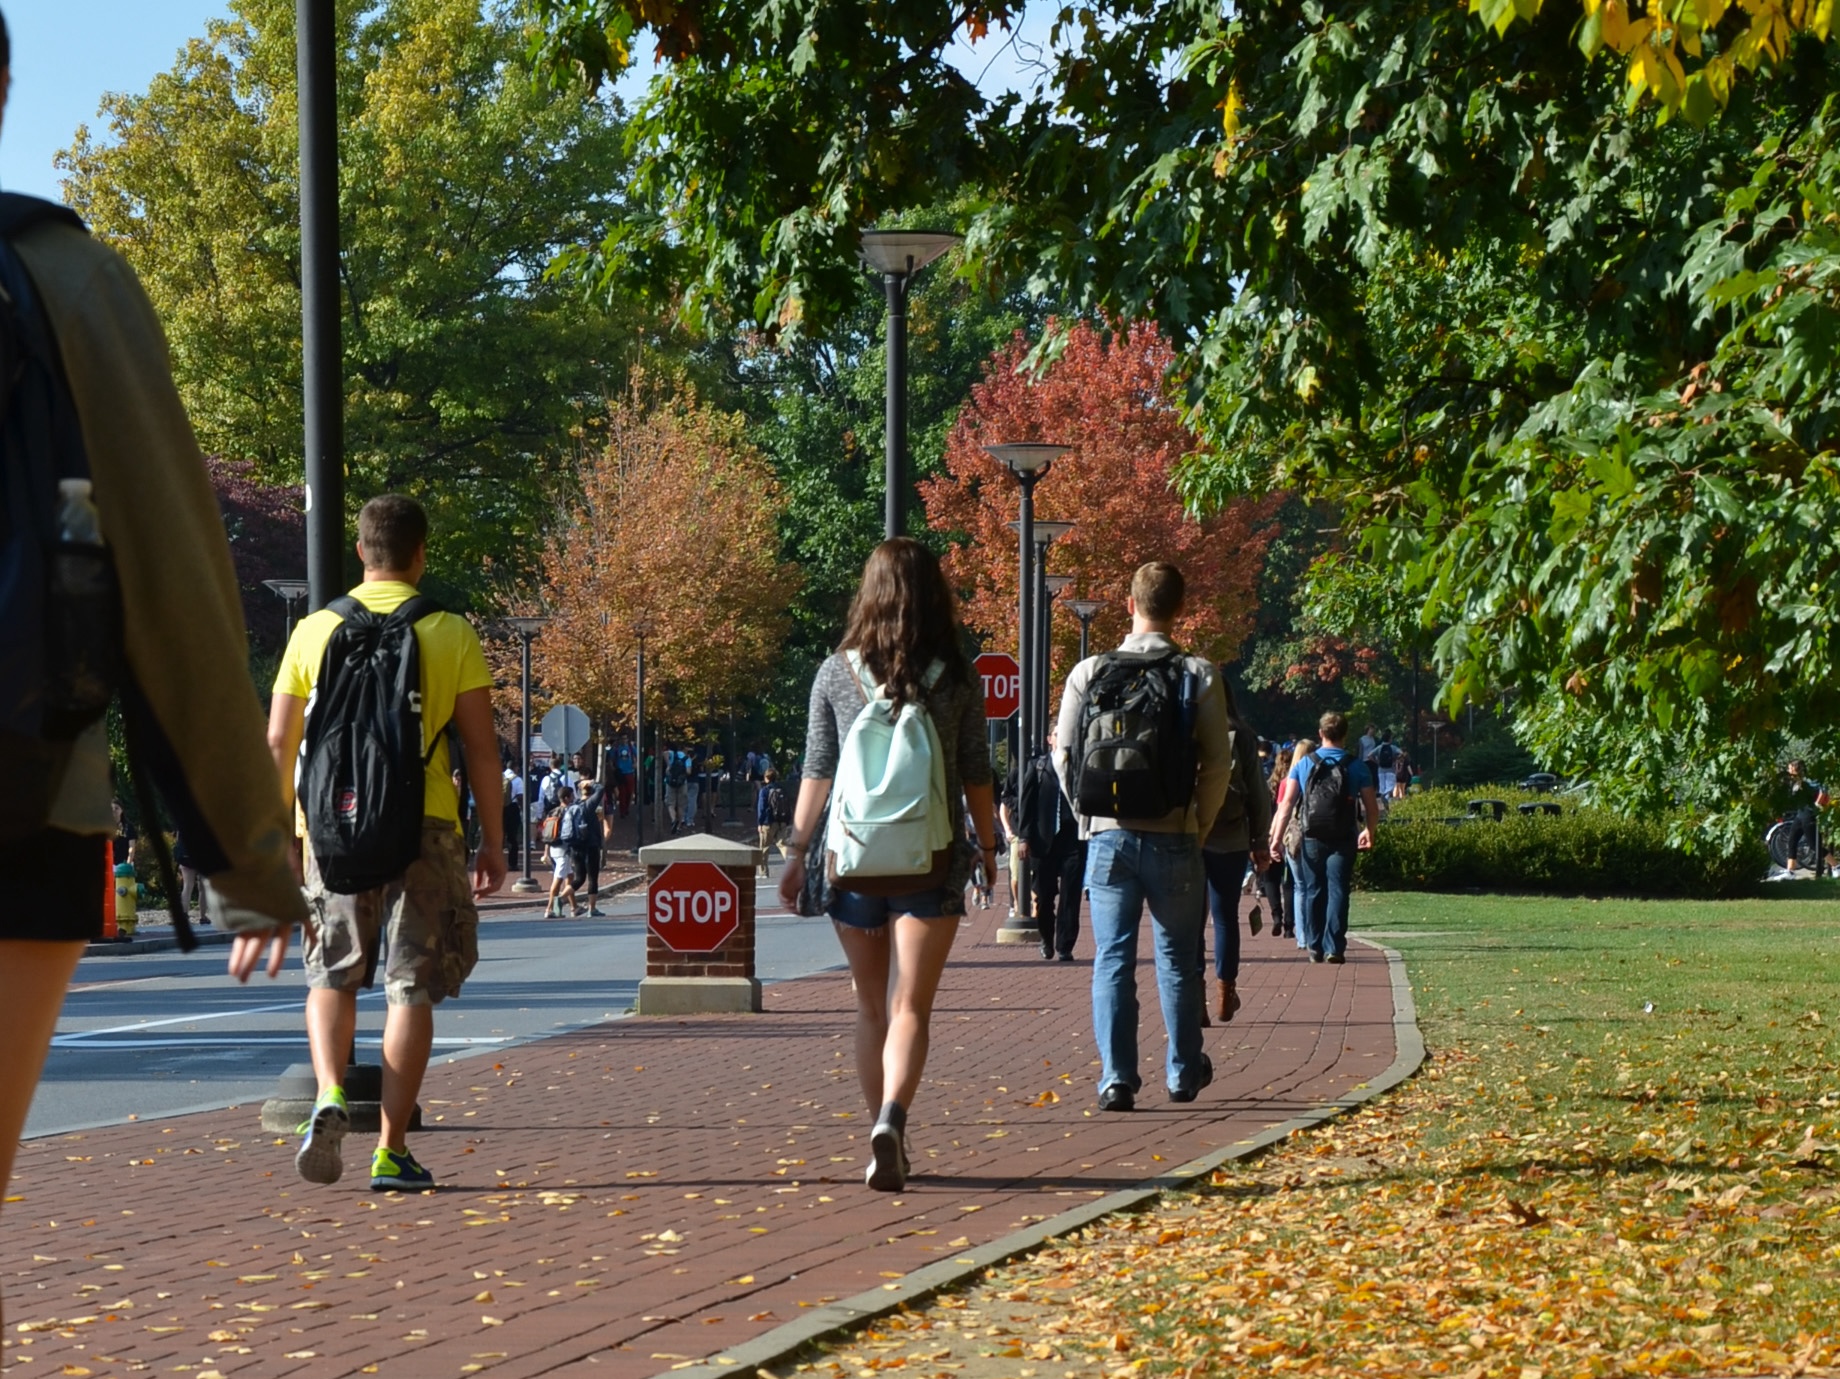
(867, 684)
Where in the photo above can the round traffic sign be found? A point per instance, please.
(565, 729)
(1002, 683)
(694, 907)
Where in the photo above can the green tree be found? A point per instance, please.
(1558, 358)
(817, 411)
(459, 180)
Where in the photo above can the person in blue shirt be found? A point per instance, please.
(1332, 834)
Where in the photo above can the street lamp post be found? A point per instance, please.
(1437, 725)
(642, 629)
(898, 255)
(1052, 586)
(290, 592)
(1035, 683)
(1085, 610)
(322, 389)
(526, 629)
(1028, 462)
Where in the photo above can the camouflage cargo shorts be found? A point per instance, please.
(426, 918)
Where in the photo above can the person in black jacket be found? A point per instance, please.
(1048, 833)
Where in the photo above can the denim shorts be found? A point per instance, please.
(874, 911)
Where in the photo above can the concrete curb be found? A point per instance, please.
(215, 938)
(499, 903)
(162, 943)
(848, 1313)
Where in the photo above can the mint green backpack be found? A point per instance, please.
(890, 827)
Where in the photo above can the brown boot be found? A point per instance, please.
(1229, 999)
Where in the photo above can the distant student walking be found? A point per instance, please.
(1326, 787)
(901, 672)
(1239, 838)
(772, 812)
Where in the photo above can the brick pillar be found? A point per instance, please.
(719, 980)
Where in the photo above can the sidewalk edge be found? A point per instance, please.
(783, 1341)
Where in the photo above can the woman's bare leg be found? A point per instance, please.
(921, 947)
(33, 978)
(869, 953)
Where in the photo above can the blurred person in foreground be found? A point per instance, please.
(88, 389)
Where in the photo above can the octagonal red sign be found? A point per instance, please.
(1002, 684)
(693, 907)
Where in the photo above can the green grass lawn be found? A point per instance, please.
(1620, 1159)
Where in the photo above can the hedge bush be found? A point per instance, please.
(1583, 851)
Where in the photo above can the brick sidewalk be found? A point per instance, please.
(644, 1192)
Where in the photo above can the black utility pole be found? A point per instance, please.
(897, 255)
(640, 775)
(316, 58)
(895, 418)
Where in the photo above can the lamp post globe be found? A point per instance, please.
(897, 255)
(1085, 610)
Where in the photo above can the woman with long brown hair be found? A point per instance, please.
(903, 627)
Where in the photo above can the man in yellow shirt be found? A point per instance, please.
(432, 923)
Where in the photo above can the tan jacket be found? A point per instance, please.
(1213, 743)
(186, 644)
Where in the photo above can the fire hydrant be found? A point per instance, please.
(127, 898)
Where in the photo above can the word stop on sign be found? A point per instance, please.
(691, 906)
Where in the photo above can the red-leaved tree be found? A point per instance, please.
(267, 527)
(1106, 397)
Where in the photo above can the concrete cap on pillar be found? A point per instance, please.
(699, 847)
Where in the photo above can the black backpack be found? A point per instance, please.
(779, 809)
(362, 768)
(61, 656)
(676, 773)
(1135, 758)
(1044, 818)
(1386, 756)
(1328, 804)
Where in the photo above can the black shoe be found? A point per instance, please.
(1117, 1097)
(1316, 957)
(1047, 950)
(1205, 1080)
(888, 1167)
(1336, 958)
(1065, 957)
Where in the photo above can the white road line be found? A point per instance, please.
(297, 1004)
(237, 1041)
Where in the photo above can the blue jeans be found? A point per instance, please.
(1322, 896)
(1226, 872)
(1124, 870)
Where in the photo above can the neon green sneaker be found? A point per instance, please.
(319, 1159)
(393, 1171)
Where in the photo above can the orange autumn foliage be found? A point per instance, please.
(1105, 396)
(677, 525)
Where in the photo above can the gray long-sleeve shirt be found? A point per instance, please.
(958, 716)
(1213, 742)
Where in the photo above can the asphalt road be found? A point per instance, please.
(163, 1034)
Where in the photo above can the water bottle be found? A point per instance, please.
(79, 524)
(83, 632)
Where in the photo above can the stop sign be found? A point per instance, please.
(1002, 683)
(693, 907)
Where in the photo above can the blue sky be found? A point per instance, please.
(68, 53)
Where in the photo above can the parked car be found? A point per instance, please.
(1543, 781)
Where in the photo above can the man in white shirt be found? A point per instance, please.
(1152, 859)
